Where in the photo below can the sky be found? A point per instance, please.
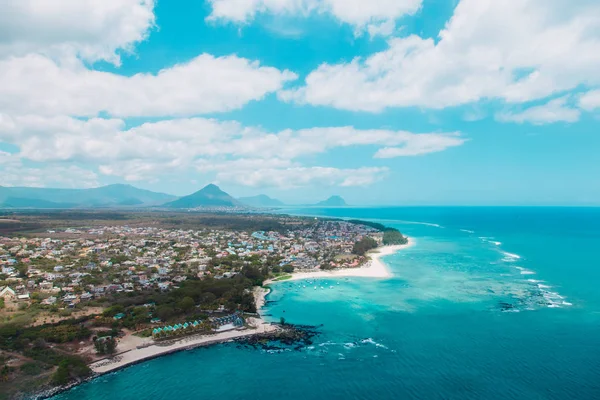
(384, 102)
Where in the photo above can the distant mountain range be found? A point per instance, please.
(105, 196)
(333, 201)
(260, 201)
(209, 196)
(264, 201)
(117, 196)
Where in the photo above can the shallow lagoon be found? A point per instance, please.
(490, 304)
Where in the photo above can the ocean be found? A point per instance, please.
(491, 303)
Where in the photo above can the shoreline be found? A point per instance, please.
(148, 349)
(151, 350)
(375, 268)
(142, 350)
(158, 349)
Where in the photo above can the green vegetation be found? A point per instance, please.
(70, 368)
(31, 221)
(373, 225)
(364, 245)
(282, 278)
(60, 334)
(191, 300)
(32, 343)
(105, 345)
(32, 368)
(393, 236)
(288, 269)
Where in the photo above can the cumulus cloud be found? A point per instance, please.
(556, 110)
(91, 29)
(303, 176)
(422, 144)
(38, 84)
(66, 138)
(515, 51)
(226, 148)
(590, 101)
(373, 16)
(284, 173)
(13, 172)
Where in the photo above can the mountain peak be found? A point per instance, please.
(209, 196)
(212, 188)
(333, 201)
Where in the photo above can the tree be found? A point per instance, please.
(113, 310)
(5, 373)
(111, 346)
(363, 245)
(23, 269)
(105, 345)
(393, 236)
(187, 304)
(165, 312)
(288, 268)
(70, 368)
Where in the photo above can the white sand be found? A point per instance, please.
(260, 293)
(158, 349)
(375, 268)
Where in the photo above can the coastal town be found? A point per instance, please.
(86, 264)
(93, 297)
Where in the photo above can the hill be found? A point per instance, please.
(261, 201)
(209, 196)
(106, 196)
(333, 201)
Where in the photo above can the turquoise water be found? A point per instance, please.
(491, 303)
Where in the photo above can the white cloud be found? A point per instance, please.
(516, 51)
(556, 110)
(283, 173)
(13, 172)
(422, 144)
(385, 28)
(590, 101)
(92, 29)
(66, 138)
(303, 176)
(225, 148)
(374, 16)
(46, 47)
(37, 84)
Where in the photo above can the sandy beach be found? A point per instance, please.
(375, 268)
(141, 349)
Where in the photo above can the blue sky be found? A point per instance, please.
(386, 102)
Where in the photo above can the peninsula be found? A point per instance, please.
(89, 292)
(373, 268)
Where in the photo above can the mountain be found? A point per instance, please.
(209, 196)
(333, 201)
(106, 196)
(261, 200)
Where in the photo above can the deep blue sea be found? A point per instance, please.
(491, 303)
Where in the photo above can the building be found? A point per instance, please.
(8, 295)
